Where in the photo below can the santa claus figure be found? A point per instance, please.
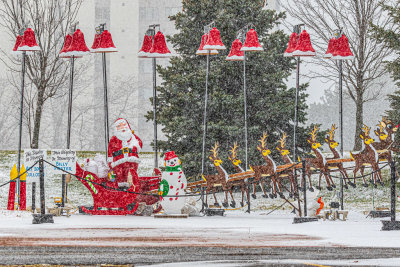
(123, 157)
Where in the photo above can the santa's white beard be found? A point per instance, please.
(123, 136)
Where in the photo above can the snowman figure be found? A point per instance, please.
(172, 185)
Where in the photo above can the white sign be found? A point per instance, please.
(64, 159)
(31, 156)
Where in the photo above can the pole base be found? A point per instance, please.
(42, 218)
(214, 212)
(304, 219)
(379, 213)
(390, 225)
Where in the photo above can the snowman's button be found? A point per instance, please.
(171, 173)
(171, 187)
(170, 199)
(176, 198)
(182, 186)
(177, 193)
(179, 176)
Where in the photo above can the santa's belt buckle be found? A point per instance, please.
(125, 150)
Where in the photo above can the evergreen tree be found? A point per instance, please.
(270, 105)
(390, 36)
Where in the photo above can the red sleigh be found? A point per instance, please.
(108, 200)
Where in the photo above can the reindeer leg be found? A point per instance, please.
(242, 189)
(329, 187)
(254, 191)
(365, 184)
(233, 203)
(309, 179)
(215, 197)
(225, 203)
(319, 181)
(279, 186)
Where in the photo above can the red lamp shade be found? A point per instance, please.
(214, 41)
(146, 46)
(291, 46)
(64, 51)
(78, 45)
(342, 49)
(17, 42)
(106, 43)
(159, 47)
(28, 42)
(236, 54)
(304, 47)
(96, 43)
(331, 48)
(202, 51)
(251, 43)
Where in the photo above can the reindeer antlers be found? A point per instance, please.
(214, 149)
(262, 140)
(366, 130)
(314, 133)
(332, 132)
(233, 150)
(283, 140)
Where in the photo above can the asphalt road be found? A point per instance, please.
(153, 255)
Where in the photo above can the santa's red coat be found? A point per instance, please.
(123, 157)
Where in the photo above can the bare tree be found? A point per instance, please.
(360, 75)
(46, 72)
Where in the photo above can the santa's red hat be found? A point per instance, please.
(119, 120)
(170, 155)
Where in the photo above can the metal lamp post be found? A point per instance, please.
(297, 29)
(207, 29)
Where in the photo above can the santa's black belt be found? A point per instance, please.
(122, 151)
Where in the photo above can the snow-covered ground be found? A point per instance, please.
(236, 229)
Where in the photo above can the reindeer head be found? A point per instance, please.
(330, 138)
(365, 135)
(380, 132)
(214, 155)
(263, 147)
(391, 128)
(282, 148)
(233, 158)
(313, 138)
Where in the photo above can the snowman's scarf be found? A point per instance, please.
(177, 168)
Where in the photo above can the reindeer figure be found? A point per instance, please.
(386, 139)
(330, 140)
(219, 179)
(236, 164)
(269, 169)
(368, 156)
(284, 152)
(319, 162)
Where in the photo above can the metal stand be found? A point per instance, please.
(341, 128)
(33, 197)
(106, 133)
(245, 107)
(392, 224)
(71, 86)
(155, 114)
(20, 122)
(305, 218)
(202, 199)
(205, 114)
(42, 217)
(296, 107)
